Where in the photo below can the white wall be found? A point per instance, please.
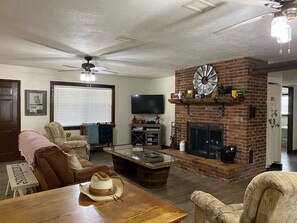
(39, 79)
(165, 86)
(273, 149)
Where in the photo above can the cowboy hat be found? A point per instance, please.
(103, 187)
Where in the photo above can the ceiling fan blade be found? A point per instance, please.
(244, 22)
(71, 66)
(42, 41)
(116, 48)
(99, 68)
(106, 72)
(68, 70)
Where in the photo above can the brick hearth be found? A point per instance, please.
(240, 130)
(208, 167)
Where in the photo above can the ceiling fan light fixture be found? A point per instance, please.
(82, 76)
(87, 76)
(285, 36)
(281, 29)
(278, 25)
(92, 77)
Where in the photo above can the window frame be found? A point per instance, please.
(54, 83)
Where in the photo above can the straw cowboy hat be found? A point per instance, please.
(103, 187)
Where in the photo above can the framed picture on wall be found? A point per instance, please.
(35, 102)
(189, 93)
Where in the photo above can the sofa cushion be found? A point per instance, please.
(54, 166)
(73, 163)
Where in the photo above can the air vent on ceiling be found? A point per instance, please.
(201, 5)
(125, 39)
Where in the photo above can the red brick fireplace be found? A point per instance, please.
(248, 134)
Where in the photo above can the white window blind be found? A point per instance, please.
(74, 105)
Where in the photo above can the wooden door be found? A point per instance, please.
(9, 119)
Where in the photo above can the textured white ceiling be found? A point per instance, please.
(53, 33)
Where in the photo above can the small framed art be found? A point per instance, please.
(35, 102)
(189, 93)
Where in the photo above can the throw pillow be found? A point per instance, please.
(73, 163)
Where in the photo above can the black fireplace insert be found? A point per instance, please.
(204, 139)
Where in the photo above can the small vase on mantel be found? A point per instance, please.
(179, 95)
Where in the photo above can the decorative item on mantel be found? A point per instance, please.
(174, 96)
(205, 80)
(225, 90)
(189, 93)
(238, 93)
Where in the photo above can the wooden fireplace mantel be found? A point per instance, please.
(222, 101)
(207, 101)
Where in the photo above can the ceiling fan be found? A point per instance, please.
(89, 67)
(88, 70)
(286, 8)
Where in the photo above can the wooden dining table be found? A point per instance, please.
(67, 204)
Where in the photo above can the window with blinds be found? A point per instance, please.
(76, 104)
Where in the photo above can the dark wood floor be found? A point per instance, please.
(180, 185)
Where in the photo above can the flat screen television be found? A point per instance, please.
(147, 104)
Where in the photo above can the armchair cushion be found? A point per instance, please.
(80, 137)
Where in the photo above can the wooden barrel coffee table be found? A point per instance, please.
(152, 168)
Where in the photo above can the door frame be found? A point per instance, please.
(290, 120)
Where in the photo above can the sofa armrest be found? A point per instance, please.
(75, 144)
(80, 137)
(86, 173)
(210, 208)
(206, 201)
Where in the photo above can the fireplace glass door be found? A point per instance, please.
(204, 139)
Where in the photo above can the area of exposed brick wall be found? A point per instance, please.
(247, 134)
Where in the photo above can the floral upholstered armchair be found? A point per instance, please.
(56, 134)
(270, 197)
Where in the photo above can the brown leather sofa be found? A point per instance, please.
(51, 164)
